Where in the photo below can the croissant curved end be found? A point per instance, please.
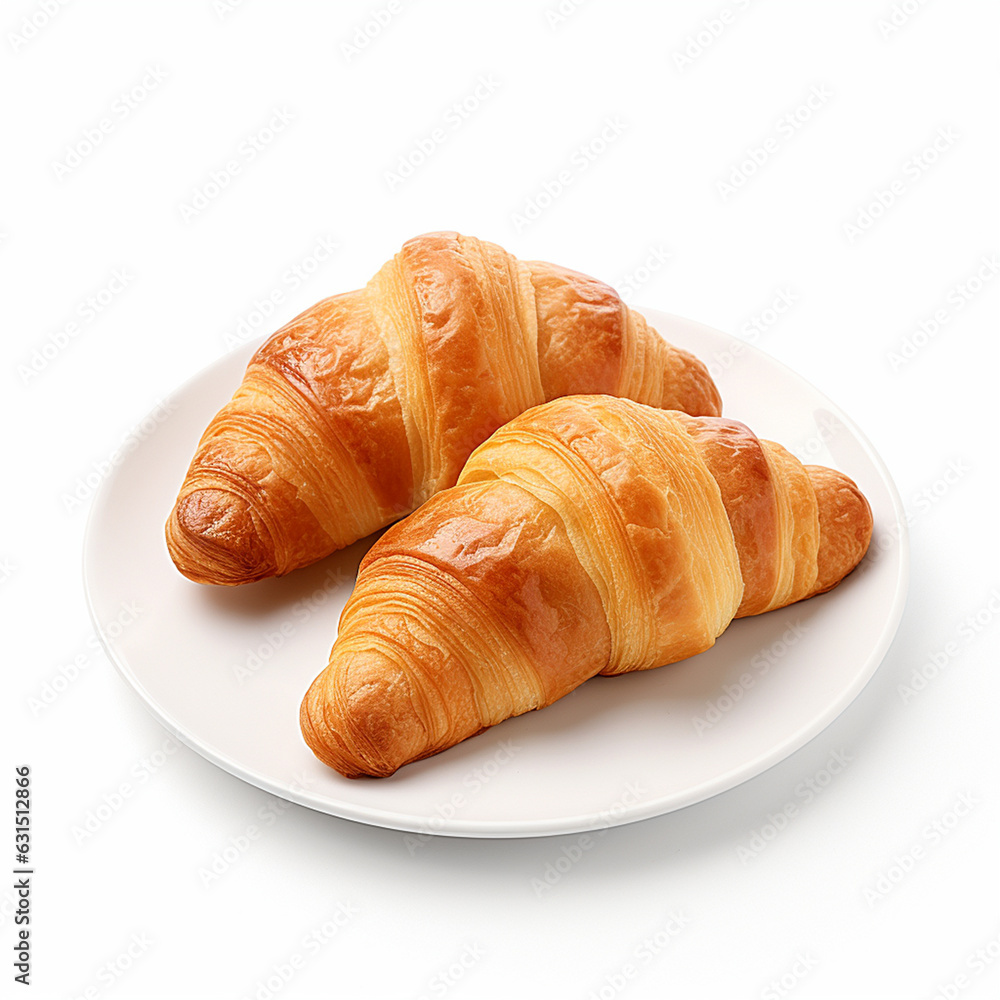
(845, 525)
(702, 398)
(372, 729)
(321, 737)
(711, 401)
(213, 536)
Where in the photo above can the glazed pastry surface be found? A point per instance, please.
(370, 402)
(590, 535)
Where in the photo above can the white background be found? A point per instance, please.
(548, 86)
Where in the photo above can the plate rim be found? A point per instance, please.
(584, 822)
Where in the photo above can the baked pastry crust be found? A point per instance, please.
(590, 535)
(365, 405)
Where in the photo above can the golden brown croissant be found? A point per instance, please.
(370, 402)
(590, 535)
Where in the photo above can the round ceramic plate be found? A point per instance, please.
(224, 669)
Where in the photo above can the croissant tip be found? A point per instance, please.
(318, 736)
(845, 522)
(711, 398)
(214, 536)
(370, 728)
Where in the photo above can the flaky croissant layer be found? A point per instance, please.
(590, 535)
(370, 402)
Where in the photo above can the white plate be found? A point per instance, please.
(224, 669)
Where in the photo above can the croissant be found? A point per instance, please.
(590, 535)
(367, 404)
